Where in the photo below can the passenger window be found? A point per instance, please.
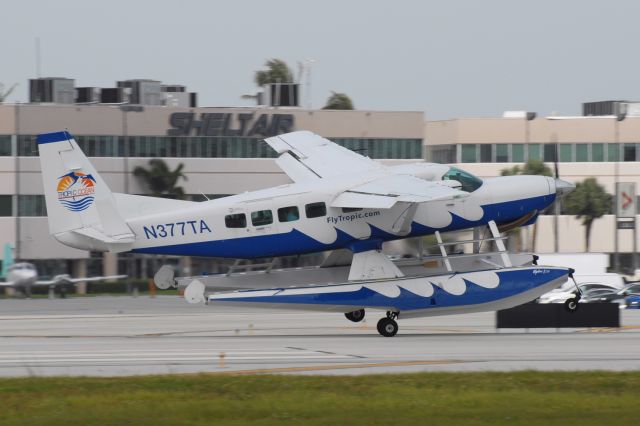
(315, 210)
(262, 217)
(238, 220)
(288, 214)
(350, 209)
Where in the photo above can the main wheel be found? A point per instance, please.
(355, 316)
(571, 305)
(387, 327)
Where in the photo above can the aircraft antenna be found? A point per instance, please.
(38, 57)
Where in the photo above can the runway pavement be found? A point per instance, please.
(114, 336)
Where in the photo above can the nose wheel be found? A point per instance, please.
(387, 326)
(571, 304)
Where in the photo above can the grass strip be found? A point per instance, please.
(514, 398)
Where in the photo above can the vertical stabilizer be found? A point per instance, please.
(80, 206)
(7, 259)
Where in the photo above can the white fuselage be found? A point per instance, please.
(203, 229)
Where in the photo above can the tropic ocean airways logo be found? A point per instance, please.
(75, 191)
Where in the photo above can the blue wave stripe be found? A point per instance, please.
(78, 205)
(82, 201)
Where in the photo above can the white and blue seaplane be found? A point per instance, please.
(338, 201)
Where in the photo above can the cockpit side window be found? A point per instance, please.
(468, 181)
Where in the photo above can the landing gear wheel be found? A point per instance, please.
(387, 327)
(355, 316)
(571, 305)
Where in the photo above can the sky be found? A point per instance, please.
(450, 58)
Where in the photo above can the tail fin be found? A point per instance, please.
(80, 206)
(7, 259)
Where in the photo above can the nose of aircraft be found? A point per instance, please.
(563, 187)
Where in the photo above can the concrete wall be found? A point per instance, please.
(540, 130)
(154, 121)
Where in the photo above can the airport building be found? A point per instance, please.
(222, 150)
(223, 153)
(606, 147)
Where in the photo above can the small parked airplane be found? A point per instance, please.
(23, 276)
(338, 200)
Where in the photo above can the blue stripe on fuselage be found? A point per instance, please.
(297, 242)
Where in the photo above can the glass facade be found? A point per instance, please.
(521, 153)
(6, 205)
(5, 145)
(34, 205)
(209, 147)
(31, 205)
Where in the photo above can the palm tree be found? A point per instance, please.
(338, 101)
(588, 202)
(5, 94)
(531, 167)
(162, 181)
(277, 72)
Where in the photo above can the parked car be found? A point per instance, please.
(632, 302)
(617, 296)
(561, 295)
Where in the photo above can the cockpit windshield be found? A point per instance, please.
(468, 181)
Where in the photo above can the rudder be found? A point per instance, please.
(80, 206)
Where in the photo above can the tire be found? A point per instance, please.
(387, 327)
(571, 304)
(355, 316)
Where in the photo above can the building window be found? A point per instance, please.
(566, 152)
(502, 153)
(6, 205)
(582, 152)
(288, 214)
(383, 148)
(5, 145)
(517, 153)
(27, 146)
(534, 151)
(315, 210)
(443, 154)
(613, 152)
(629, 152)
(597, 152)
(261, 218)
(31, 205)
(469, 153)
(238, 220)
(549, 152)
(486, 153)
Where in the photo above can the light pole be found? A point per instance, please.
(620, 116)
(126, 108)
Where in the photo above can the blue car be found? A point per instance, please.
(633, 302)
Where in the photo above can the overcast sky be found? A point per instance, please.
(449, 58)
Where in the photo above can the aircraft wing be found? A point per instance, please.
(385, 192)
(57, 281)
(306, 156)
